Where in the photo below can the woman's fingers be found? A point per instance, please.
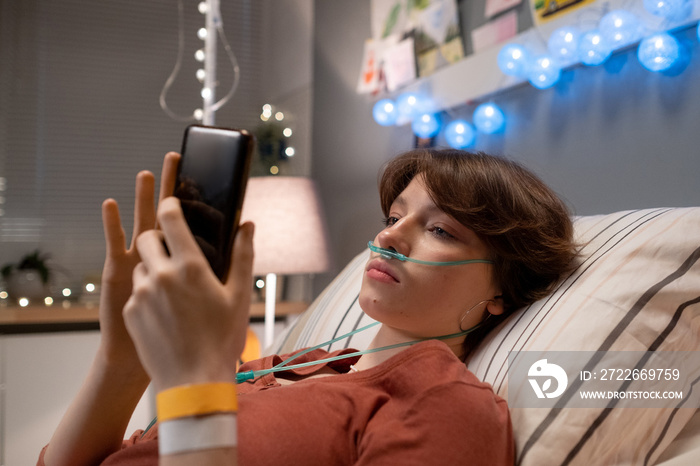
(144, 205)
(115, 238)
(151, 250)
(177, 234)
(168, 174)
(240, 273)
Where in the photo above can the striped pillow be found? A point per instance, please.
(636, 288)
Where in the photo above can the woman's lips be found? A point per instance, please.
(379, 270)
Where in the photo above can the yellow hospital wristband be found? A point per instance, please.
(196, 400)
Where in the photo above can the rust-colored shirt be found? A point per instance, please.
(421, 406)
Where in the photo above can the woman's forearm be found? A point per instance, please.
(94, 424)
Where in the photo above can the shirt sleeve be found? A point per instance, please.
(454, 423)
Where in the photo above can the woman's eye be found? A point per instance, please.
(440, 233)
(389, 221)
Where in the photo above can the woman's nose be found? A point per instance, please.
(395, 237)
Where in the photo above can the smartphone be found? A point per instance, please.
(211, 182)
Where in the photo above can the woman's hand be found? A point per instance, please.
(120, 261)
(187, 326)
(94, 425)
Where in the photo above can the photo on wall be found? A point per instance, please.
(546, 10)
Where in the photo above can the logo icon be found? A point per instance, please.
(543, 369)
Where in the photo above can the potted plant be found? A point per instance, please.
(29, 278)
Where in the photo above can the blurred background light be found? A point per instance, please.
(459, 134)
(563, 44)
(658, 52)
(426, 125)
(544, 72)
(514, 60)
(385, 112)
(620, 28)
(593, 49)
(488, 118)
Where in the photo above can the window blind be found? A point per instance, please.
(79, 112)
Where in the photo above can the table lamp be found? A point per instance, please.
(290, 233)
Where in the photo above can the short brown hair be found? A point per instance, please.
(526, 226)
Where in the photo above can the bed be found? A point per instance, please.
(636, 287)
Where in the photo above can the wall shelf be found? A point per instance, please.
(478, 77)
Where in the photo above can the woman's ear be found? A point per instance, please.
(495, 305)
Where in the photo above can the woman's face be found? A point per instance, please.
(419, 300)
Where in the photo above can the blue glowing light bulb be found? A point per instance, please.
(488, 118)
(658, 52)
(544, 72)
(514, 60)
(563, 43)
(671, 9)
(593, 49)
(699, 31)
(385, 112)
(426, 125)
(411, 104)
(459, 134)
(620, 28)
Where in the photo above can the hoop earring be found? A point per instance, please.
(464, 316)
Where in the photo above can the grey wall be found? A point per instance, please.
(606, 138)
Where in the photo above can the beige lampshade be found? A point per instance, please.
(290, 231)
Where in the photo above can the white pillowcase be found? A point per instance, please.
(636, 288)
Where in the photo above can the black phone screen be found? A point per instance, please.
(211, 184)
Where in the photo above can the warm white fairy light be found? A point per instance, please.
(198, 114)
(279, 116)
(287, 132)
(289, 151)
(201, 74)
(199, 55)
(203, 7)
(202, 33)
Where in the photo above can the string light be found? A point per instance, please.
(489, 118)
(658, 52)
(593, 49)
(426, 125)
(620, 28)
(410, 105)
(563, 44)
(514, 60)
(385, 112)
(671, 9)
(567, 45)
(459, 134)
(544, 72)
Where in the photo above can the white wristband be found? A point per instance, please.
(197, 433)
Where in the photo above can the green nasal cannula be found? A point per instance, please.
(391, 254)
